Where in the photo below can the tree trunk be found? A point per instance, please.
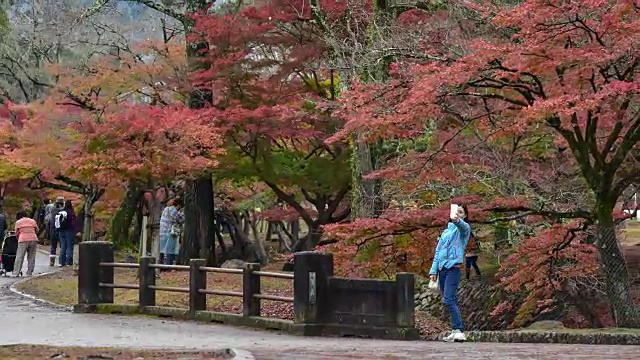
(87, 225)
(367, 195)
(367, 199)
(199, 235)
(241, 242)
(295, 231)
(268, 231)
(137, 229)
(246, 223)
(223, 246)
(91, 195)
(616, 276)
(283, 245)
(120, 226)
(310, 241)
(35, 210)
(261, 252)
(582, 299)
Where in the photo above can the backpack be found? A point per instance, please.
(48, 213)
(61, 220)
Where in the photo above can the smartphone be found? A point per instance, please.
(453, 213)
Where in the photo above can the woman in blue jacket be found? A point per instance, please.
(447, 261)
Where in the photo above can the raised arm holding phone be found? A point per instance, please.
(447, 263)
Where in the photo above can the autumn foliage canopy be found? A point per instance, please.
(527, 112)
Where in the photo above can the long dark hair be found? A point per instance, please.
(21, 214)
(68, 205)
(466, 219)
(466, 212)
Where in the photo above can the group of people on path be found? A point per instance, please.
(60, 228)
(171, 222)
(59, 222)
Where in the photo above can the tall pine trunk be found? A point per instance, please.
(367, 201)
(199, 234)
(367, 193)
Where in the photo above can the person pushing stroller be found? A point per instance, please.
(27, 234)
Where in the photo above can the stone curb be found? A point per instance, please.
(550, 337)
(13, 289)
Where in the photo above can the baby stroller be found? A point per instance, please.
(8, 253)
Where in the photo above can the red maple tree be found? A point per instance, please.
(551, 95)
(263, 68)
(133, 123)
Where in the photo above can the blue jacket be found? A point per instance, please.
(451, 245)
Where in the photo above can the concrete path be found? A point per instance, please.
(24, 321)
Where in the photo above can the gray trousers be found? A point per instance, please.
(30, 248)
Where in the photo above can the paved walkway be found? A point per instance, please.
(24, 321)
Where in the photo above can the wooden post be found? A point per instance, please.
(250, 286)
(91, 274)
(405, 290)
(91, 235)
(197, 281)
(143, 237)
(311, 270)
(147, 277)
(155, 240)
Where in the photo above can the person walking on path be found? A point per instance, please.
(46, 219)
(52, 232)
(66, 225)
(170, 222)
(27, 234)
(471, 256)
(447, 260)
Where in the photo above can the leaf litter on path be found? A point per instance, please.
(20, 352)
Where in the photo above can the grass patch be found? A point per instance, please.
(46, 352)
(62, 288)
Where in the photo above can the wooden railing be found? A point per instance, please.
(251, 293)
(322, 303)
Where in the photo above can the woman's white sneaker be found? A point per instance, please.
(456, 336)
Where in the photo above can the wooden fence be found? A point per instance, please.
(323, 304)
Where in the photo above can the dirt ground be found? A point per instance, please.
(77, 353)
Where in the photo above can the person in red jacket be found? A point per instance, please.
(27, 234)
(471, 256)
